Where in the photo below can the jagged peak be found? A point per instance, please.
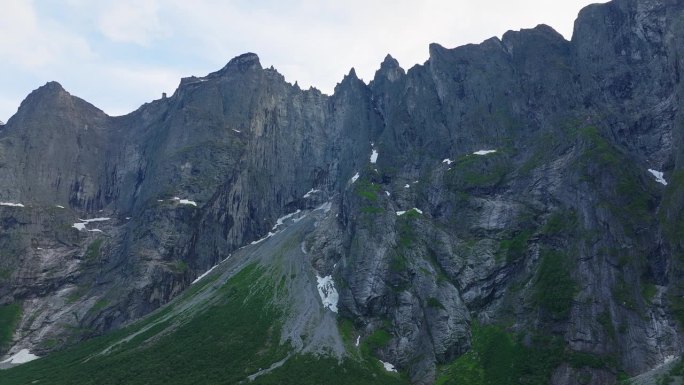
(242, 63)
(389, 63)
(50, 87)
(389, 69)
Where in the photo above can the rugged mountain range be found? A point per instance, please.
(508, 212)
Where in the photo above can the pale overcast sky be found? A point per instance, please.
(119, 54)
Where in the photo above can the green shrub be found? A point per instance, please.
(554, 287)
(9, 317)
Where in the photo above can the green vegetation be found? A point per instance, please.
(472, 172)
(398, 263)
(434, 303)
(623, 294)
(367, 190)
(514, 248)
(9, 317)
(179, 266)
(676, 371)
(497, 357)
(590, 360)
(554, 287)
(648, 291)
(606, 321)
(405, 229)
(561, 223)
(94, 250)
(677, 306)
(624, 194)
(234, 337)
(378, 340)
(310, 369)
(99, 305)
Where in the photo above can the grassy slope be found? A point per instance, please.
(236, 336)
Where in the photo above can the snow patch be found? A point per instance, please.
(9, 204)
(448, 161)
(406, 185)
(312, 191)
(387, 193)
(79, 226)
(94, 220)
(358, 339)
(282, 219)
(205, 273)
(22, 357)
(59, 207)
(659, 176)
(95, 231)
(82, 225)
(328, 293)
(400, 213)
(355, 177)
(184, 201)
(238, 131)
(484, 152)
(325, 207)
(374, 157)
(388, 367)
(269, 235)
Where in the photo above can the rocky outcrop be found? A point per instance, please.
(502, 183)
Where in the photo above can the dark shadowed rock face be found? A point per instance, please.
(526, 159)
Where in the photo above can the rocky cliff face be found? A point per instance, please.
(513, 183)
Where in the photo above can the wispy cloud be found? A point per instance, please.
(120, 54)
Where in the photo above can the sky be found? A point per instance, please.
(119, 54)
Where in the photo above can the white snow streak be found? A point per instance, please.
(387, 193)
(448, 161)
(400, 213)
(358, 339)
(659, 176)
(406, 186)
(355, 177)
(59, 207)
(79, 226)
(205, 273)
(9, 204)
(328, 293)
(184, 201)
(82, 225)
(388, 367)
(238, 131)
(94, 220)
(325, 207)
(374, 157)
(312, 191)
(23, 356)
(282, 219)
(484, 152)
(269, 235)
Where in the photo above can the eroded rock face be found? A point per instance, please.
(494, 161)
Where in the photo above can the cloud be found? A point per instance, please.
(132, 22)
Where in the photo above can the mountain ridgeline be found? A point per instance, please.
(507, 212)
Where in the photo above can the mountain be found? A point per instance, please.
(508, 212)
